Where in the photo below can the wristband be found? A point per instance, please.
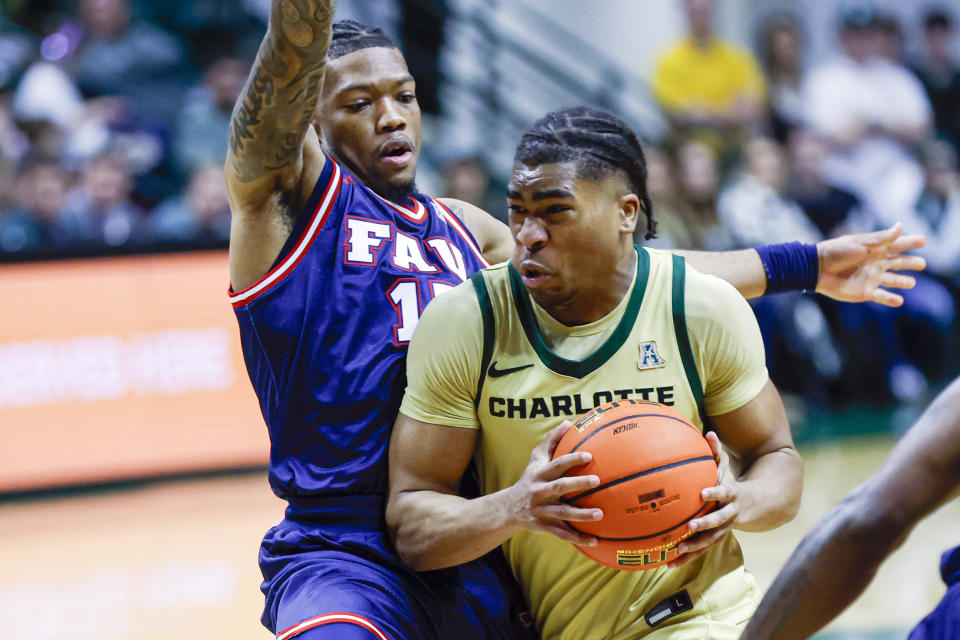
(790, 266)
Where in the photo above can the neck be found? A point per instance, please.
(702, 38)
(602, 297)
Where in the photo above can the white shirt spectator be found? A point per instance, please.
(852, 103)
(942, 250)
(754, 213)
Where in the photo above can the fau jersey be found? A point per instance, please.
(325, 336)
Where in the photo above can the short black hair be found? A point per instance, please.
(350, 36)
(938, 17)
(599, 143)
(858, 16)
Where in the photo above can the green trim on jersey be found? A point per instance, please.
(486, 312)
(683, 338)
(581, 368)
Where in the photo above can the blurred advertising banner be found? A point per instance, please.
(115, 368)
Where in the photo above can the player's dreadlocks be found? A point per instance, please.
(598, 142)
(350, 36)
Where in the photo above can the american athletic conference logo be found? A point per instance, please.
(649, 358)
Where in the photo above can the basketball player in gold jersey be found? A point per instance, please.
(579, 317)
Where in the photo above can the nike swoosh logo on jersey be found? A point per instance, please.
(493, 372)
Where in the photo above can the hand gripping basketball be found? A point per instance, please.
(652, 465)
(536, 499)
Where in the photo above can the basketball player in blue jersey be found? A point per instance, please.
(837, 560)
(333, 256)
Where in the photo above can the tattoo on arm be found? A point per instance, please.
(278, 101)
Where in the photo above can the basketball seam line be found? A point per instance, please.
(633, 476)
(652, 535)
(637, 415)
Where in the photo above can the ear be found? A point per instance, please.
(629, 212)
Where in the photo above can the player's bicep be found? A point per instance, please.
(757, 428)
(428, 457)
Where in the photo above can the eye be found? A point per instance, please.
(557, 208)
(356, 107)
(407, 97)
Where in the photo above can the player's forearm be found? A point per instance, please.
(433, 530)
(771, 486)
(742, 269)
(277, 104)
(831, 567)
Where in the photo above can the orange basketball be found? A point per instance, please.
(652, 464)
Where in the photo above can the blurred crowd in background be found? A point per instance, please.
(114, 127)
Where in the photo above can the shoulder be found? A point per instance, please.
(448, 338)
(457, 307)
(710, 300)
(491, 235)
(675, 54)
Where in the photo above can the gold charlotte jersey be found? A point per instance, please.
(485, 356)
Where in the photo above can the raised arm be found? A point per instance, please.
(852, 268)
(837, 560)
(274, 156)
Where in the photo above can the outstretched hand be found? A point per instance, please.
(854, 268)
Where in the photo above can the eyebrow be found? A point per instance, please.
(368, 86)
(543, 195)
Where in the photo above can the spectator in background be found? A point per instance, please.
(889, 36)
(49, 109)
(872, 111)
(836, 211)
(698, 175)
(704, 83)
(203, 125)
(674, 229)
(117, 56)
(801, 353)
(940, 75)
(200, 215)
(833, 210)
(754, 209)
(100, 211)
(938, 213)
(211, 28)
(36, 221)
(467, 178)
(124, 113)
(781, 44)
(13, 142)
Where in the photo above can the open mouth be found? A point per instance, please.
(533, 275)
(397, 151)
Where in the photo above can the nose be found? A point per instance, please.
(532, 235)
(391, 117)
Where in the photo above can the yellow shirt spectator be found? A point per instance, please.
(713, 80)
